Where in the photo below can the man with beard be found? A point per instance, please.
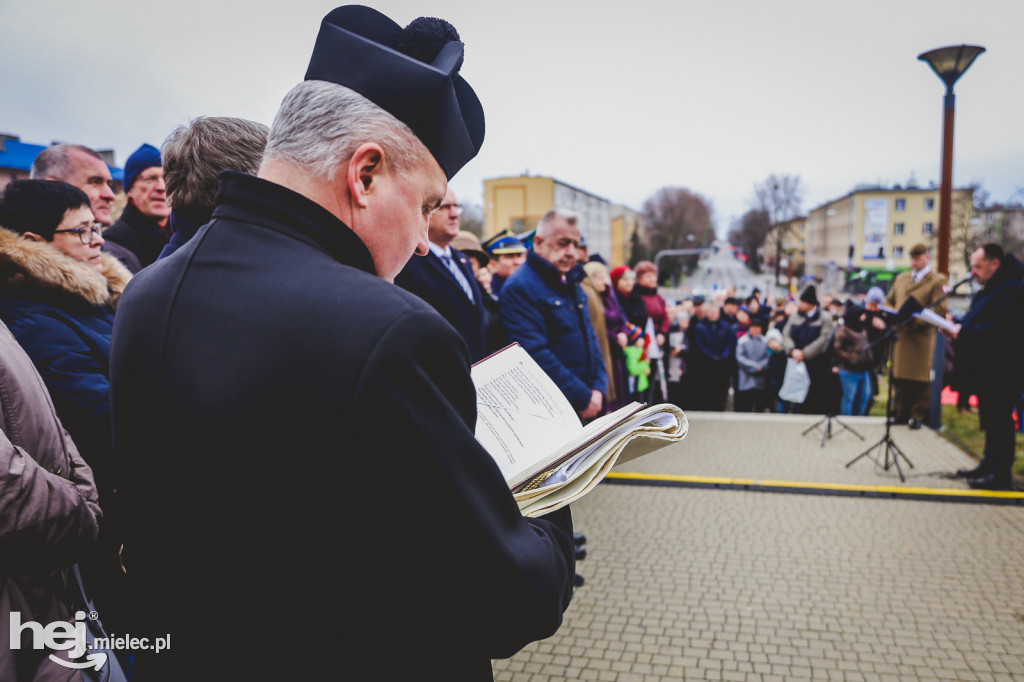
(990, 363)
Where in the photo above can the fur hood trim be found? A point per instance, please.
(38, 268)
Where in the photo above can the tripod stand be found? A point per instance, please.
(891, 452)
(827, 422)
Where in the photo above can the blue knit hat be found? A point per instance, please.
(146, 156)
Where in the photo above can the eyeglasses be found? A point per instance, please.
(451, 208)
(85, 232)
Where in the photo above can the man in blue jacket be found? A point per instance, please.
(544, 309)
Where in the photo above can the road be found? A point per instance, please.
(716, 272)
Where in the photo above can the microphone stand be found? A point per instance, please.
(827, 420)
(892, 452)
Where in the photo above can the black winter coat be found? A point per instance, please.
(297, 453)
(430, 279)
(988, 347)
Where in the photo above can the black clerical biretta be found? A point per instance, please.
(411, 73)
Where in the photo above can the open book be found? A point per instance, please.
(547, 456)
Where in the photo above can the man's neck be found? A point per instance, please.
(439, 249)
(302, 182)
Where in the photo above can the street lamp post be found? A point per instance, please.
(949, 63)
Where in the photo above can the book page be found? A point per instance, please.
(522, 417)
(609, 438)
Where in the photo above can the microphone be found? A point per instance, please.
(965, 280)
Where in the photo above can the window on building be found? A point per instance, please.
(901, 204)
(897, 252)
(929, 228)
(898, 229)
(929, 204)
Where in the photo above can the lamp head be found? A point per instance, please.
(949, 63)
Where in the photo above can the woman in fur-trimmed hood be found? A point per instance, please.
(57, 296)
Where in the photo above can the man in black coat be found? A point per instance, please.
(295, 433)
(715, 356)
(990, 363)
(444, 279)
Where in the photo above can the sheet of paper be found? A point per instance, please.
(931, 317)
(521, 415)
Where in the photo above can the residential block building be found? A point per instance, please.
(873, 228)
(517, 203)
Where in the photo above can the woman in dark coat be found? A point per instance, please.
(646, 288)
(633, 307)
(58, 297)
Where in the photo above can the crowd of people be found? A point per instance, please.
(202, 398)
(806, 355)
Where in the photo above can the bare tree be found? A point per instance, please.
(677, 218)
(964, 233)
(750, 236)
(779, 197)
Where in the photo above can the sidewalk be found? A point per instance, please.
(699, 583)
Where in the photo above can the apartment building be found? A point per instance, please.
(517, 203)
(873, 228)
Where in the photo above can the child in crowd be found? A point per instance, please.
(752, 356)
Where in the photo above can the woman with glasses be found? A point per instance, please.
(57, 296)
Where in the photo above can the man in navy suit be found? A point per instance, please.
(444, 278)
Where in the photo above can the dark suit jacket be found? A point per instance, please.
(296, 449)
(430, 279)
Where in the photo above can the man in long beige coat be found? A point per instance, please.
(912, 353)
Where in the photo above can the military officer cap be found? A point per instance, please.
(412, 73)
(504, 243)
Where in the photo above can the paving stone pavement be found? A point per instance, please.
(717, 584)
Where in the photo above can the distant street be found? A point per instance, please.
(716, 272)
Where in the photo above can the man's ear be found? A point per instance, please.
(32, 237)
(365, 169)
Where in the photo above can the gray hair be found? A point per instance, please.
(320, 125)
(544, 226)
(195, 154)
(53, 162)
